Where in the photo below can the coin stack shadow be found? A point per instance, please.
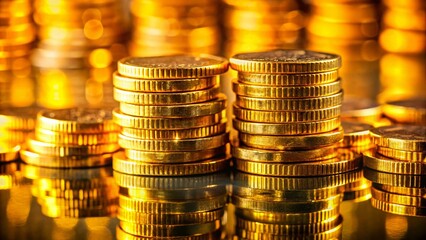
(172, 127)
(287, 115)
(163, 27)
(397, 169)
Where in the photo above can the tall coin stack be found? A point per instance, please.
(397, 169)
(287, 115)
(171, 114)
(162, 27)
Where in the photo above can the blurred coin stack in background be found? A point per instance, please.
(403, 37)
(72, 138)
(287, 114)
(397, 169)
(9, 173)
(162, 27)
(362, 110)
(172, 125)
(17, 124)
(350, 29)
(17, 34)
(412, 111)
(78, 44)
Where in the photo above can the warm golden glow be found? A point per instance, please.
(100, 58)
(93, 29)
(396, 226)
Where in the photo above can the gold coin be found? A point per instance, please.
(195, 144)
(383, 164)
(398, 208)
(57, 211)
(397, 180)
(80, 194)
(76, 138)
(124, 165)
(14, 136)
(19, 118)
(361, 110)
(418, 192)
(358, 195)
(171, 67)
(77, 120)
(260, 155)
(409, 111)
(398, 198)
(65, 184)
(9, 153)
(122, 235)
(292, 142)
(260, 91)
(402, 155)
(163, 85)
(288, 79)
(285, 116)
(279, 129)
(285, 62)
(146, 98)
(42, 160)
(355, 134)
(76, 203)
(171, 194)
(173, 157)
(290, 104)
(406, 138)
(186, 110)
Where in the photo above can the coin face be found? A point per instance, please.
(173, 62)
(412, 133)
(290, 56)
(79, 115)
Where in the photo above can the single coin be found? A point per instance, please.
(398, 198)
(418, 192)
(75, 138)
(285, 116)
(122, 235)
(292, 142)
(397, 180)
(380, 163)
(280, 129)
(158, 99)
(124, 165)
(163, 85)
(288, 79)
(398, 208)
(77, 120)
(285, 61)
(19, 118)
(402, 155)
(406, 138)
(408, 111)
(42, 160)
(9, 153)
(171, 67)
(355, 134)
(186, 110)
(175, 134)
(260, 91)
(361, 110)
(290, 104)
(345, 162)
(261, 155)
(196, 144)
(174, 157)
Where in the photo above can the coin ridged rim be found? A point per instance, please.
(80, 194)
(77, 203)
(383, 164)
(166, 207)
(398, 208)
(158, 99)
(419, 192)
(290, 104)
(122, 235)
(261, 155)
(9, 153)
(402, 155)
(291, 142)
(125, 120)
(185, 110)
(12, 120)
(358, 195)
(174, 194)
(385, 139)
(285, 116)
(188, 133)
(122, 164)
(55, 212)
(398, 198)
(352, 136)
(169, 219)
(193, 144)
(288, 79)
(279, 129)
(251, 90)
(180, 71)
(398, 180)
(163, 85)
(401, 113)
(75, 138)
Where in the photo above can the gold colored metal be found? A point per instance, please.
(355, 134)
(408, 111)
(75, 138)
(402, 155)
(416, 192)
(398, 199)
(9, 153)
(397, 180)
(383, 164)
(288, 79)
(19, 118)
(406, 138)
(398, 208)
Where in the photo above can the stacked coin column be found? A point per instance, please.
(162, 27)
(171, 114)
(397, 169)
(287, 115)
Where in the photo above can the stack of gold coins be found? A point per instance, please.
(17, 124)
(173, 207)
(287, 115)
(72, 138)
(73, 193)
(262, 25)
(412, 111)
(162, 27)
(171, 114)
(397, 169)
(350, 29)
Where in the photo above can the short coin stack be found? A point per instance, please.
(397, 169)
(72, 138)
(287, 115)
(412, 111)
(171, 115)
